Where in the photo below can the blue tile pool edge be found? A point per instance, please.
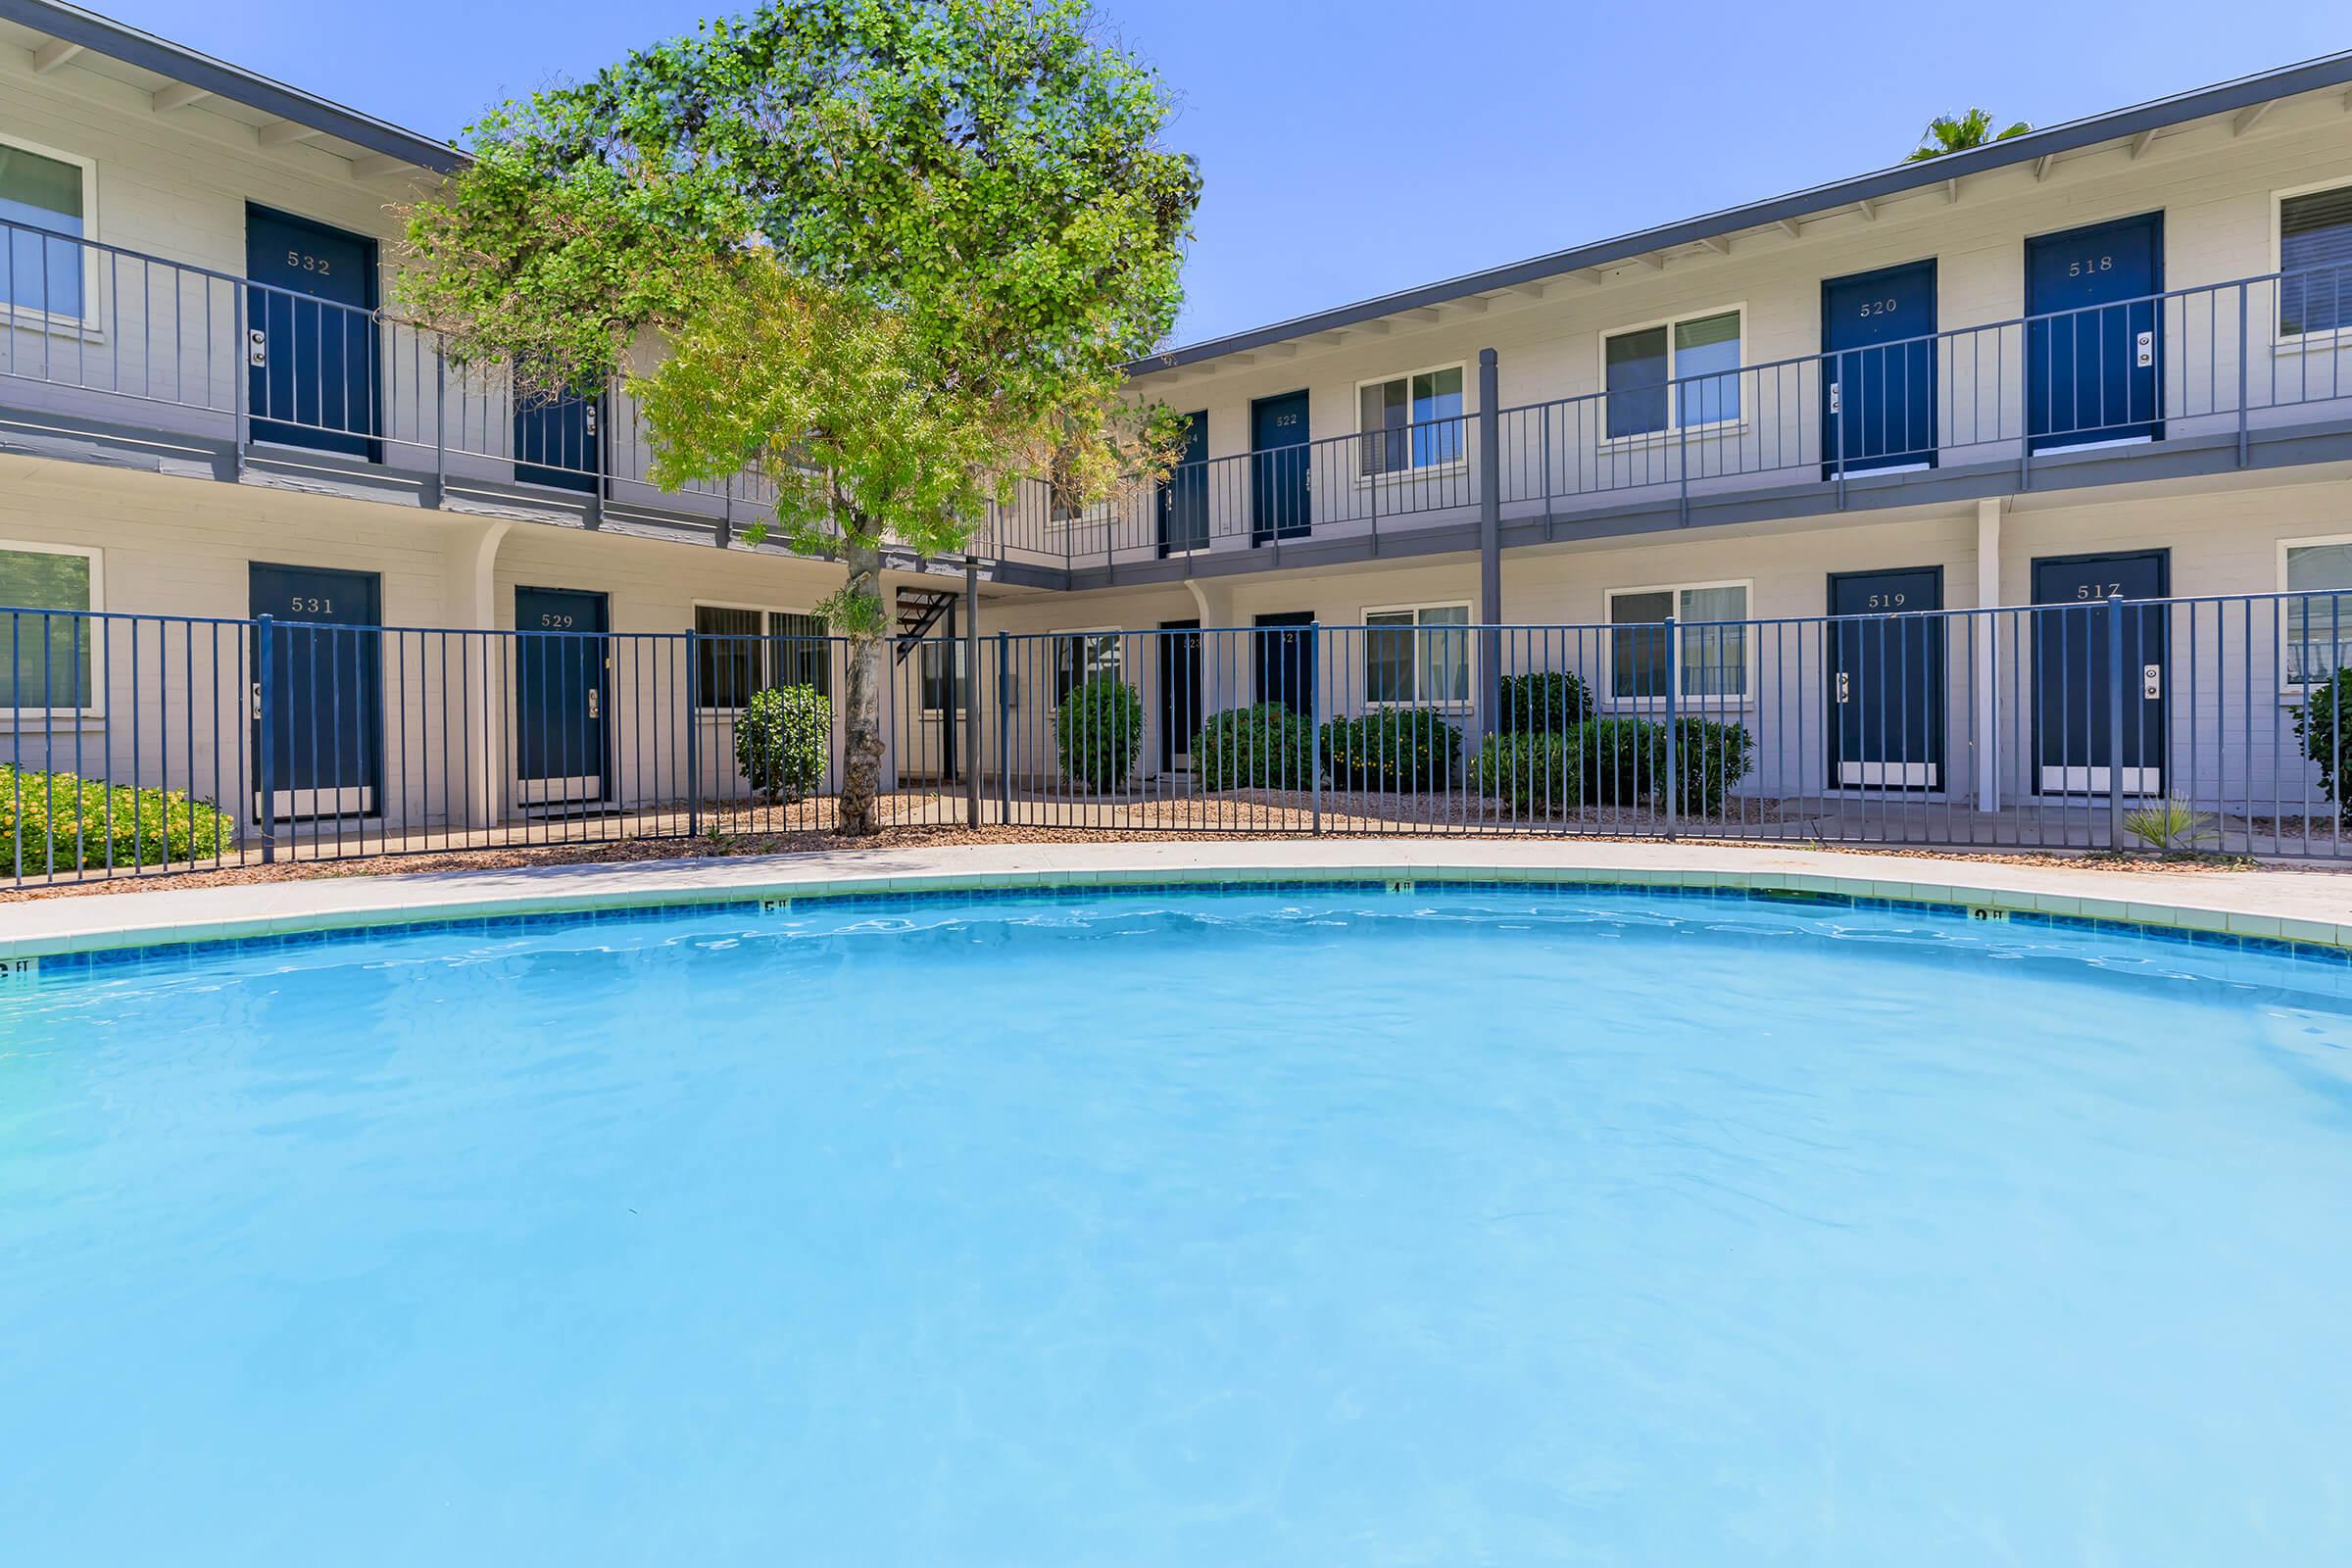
(97, 951)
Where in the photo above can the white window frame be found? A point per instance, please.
(1469, 653)
(97, 606)
(1697, 704)
(1674, 427)
(2291, 688)
(958, 666)
(2299, 342)
(86, 323)
(709, 711)
(1411, 471)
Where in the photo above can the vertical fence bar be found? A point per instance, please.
(1674, 684)
(2115, 720)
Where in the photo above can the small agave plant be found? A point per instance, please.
(2174, 827)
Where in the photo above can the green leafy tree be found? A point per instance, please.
(1957, 134)
(894, 252)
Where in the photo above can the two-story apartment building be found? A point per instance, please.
(2112, 356)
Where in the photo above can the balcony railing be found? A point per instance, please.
(200, 352)
(205, 354)
(2224, 362)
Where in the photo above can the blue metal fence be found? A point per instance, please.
(139, 744)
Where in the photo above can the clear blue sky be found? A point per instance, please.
(1353, 149)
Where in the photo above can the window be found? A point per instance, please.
(46, 659)
(1705, 368)
(1713, 658)
(1418, 653)
(1081, 656)
(1410, 422)
(934, 654)
(746, 650)
(2315, 251)
(2319, 629)
(41, 273)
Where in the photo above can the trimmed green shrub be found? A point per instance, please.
(1545, 702)
(1710, 756)
(1621, 757)
(1098, 732)
(1391, 749)
(1537, 775)
(2323, 725)
(783, 740)
(1264, 746)
(60, 822)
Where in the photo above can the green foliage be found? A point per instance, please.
(1711, 757)
(1400, 749)
(2171, 827)
(1265, 746)
(783, 740)
(1543, 702)
(1957, 134)
(1621, 757)
(899, 252)
(2320, 725)
(1536, 774)
(62, 823)
(1099, 731)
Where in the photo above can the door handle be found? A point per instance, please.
(256, 711)
(1836, 398)
(593, 703)
(2151, 681)
(257, 348)
(1842, 685)
(2144, 351)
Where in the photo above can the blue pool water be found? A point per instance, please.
(1312, 1226)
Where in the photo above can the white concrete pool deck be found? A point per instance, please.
(2300, 906)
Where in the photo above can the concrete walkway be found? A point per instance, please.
(2314, 906)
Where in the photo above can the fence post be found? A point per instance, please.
(1314, 719)
(1836, 431)
(1489, 537)
(1673, 782)
(264, 713)
(694, 736)
(2115, 720)
(971, 700)
(1004, 727)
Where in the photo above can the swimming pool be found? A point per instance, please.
(1302, 1225)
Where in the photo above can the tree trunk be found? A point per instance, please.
(862, 716)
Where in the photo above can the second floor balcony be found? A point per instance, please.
(2251, 373)
(2254, 372)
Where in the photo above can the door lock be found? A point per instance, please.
(257, 348)
(2146, 351)
(1836, 398)
(2151, 681)
(1842, 678)
(593, 704)
(588, 418)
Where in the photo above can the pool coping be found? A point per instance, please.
(2265, 905)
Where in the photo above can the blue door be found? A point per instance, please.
(1179, 689)
(1279, 495)
(1286, 660)
(2075, 684)
(562, 696)
(556, 442)
(2094, 341)
(319, 754)
(310, 338)
(1184, 494)
(1887, 689)
(1878, 384)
